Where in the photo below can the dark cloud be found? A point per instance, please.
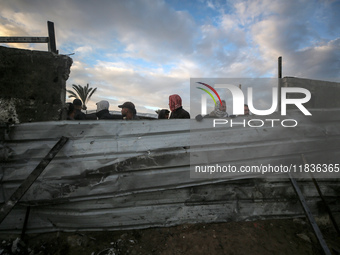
(319, 62)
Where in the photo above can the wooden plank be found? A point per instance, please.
(23, 39)
(51, 35)
(17, 195)
(50, 40)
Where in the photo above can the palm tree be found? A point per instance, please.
(82, 93)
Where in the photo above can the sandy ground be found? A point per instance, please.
(289, 236)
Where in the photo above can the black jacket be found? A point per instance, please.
(179, 113)
(106, 115)
(79, 115)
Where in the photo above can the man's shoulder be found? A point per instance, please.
(110, 116)
(79, 115)
(91, 116)
(185, 113)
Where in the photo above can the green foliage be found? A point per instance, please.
(83, 93)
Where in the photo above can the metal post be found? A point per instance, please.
(279, 82)
(280, 67)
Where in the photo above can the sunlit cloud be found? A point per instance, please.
(143, 51)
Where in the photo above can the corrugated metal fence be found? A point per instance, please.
(135, 174)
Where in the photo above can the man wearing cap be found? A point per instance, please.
(129, 111)
(78, 115)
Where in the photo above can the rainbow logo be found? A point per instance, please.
(213, 90)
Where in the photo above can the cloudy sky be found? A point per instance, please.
(145, 50)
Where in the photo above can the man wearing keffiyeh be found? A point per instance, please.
(177, 111)
(220, 111)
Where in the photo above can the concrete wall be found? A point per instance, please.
(325, 94)
(32, 85)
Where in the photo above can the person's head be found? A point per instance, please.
(175, 102)
(77, 104)
(102, 105)
(163, 114)
(246, 109)
(221, 107)
(128, 110)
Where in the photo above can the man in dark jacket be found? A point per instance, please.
(103, 111)
(177, 111)
(79, 115)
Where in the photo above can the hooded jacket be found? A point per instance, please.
(177, 111)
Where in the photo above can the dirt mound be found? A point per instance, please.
(292, 236)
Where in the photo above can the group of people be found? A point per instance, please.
(74, 111)
(128, 111)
